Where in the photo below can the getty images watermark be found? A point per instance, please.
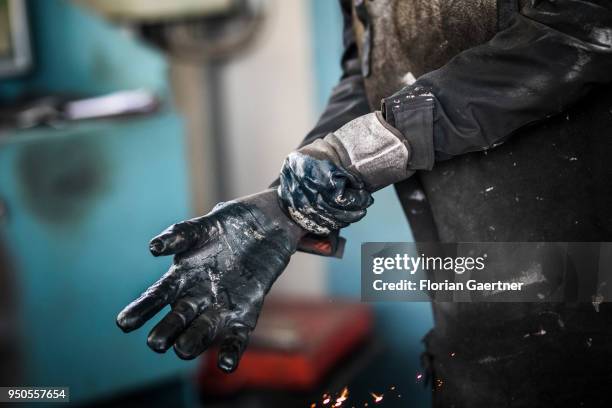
(487, 272)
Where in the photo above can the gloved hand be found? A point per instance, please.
(308, 183)
(225, 263)
(326, 185)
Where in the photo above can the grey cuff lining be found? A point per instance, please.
(340, 151)
(395, 132)
(363, 156)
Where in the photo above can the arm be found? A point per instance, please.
(550, 56)
(348, 99)
(226, 261)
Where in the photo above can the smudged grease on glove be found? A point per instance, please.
(224, 265)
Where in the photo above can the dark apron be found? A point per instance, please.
(551, 182)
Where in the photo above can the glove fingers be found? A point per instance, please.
(198, 337)
(319, 215)
(232, 347)
(339, 172)
(341, 216)
(154, 299)
(347, 192)
(341, 196)
(170, 327)
(294, 197)
(351, 199)
(333, 183)
(336, 188)
(319, 171)
(179, 237)
(344, 198)
(320, 208)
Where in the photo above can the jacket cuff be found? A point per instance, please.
(411, 111)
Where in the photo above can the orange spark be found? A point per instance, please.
(343, 397)
(377, 398)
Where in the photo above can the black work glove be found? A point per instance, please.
(225, 264)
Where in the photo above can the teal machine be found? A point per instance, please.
(79, 204)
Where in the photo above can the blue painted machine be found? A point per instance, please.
(68, 192)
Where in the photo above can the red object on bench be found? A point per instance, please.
(295, 344)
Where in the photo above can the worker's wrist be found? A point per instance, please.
(373, 150)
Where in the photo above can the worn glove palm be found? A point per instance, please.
(225, 263)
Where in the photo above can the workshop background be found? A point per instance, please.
(121, 117)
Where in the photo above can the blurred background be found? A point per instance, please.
(120, 117)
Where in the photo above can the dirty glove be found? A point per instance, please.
(225, 263)
(326, 185)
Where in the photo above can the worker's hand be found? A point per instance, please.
(327, 184)
(319, 194)
(224, 264)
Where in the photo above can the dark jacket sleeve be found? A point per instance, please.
(348, 99)
(551, 54)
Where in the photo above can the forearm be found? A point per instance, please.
(552, 54)
(348, 98)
